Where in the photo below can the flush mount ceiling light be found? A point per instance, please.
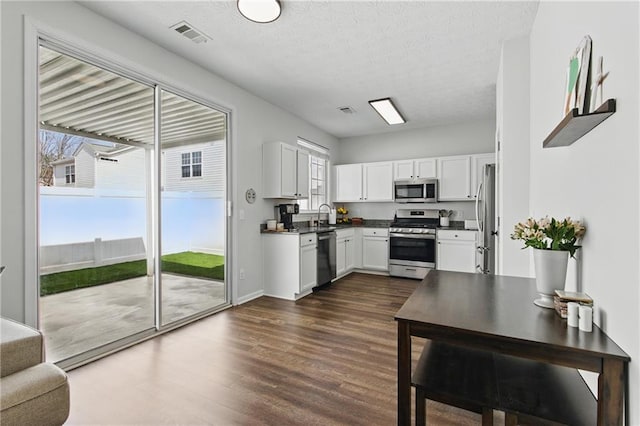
(261, 11)
(387, 111)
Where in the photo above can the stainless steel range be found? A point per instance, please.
(412, 243)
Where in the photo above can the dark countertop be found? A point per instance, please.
(304, 228)
(455, 225)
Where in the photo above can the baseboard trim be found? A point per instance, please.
(372, 272)
(249, 297)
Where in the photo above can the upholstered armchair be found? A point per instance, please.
(32, 392)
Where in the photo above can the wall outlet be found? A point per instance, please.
(241, 273)
(459, 215)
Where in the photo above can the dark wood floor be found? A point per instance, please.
(328, 359)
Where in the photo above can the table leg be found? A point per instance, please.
(611, 393)
(404, 374)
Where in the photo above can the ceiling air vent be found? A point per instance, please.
(190, 32)
(347, 110)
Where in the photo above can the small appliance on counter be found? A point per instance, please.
(332, 216)
(285, 214)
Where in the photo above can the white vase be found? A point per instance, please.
(551, 273)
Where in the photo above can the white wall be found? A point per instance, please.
(474, 137)
(253, 122)
(597, 177)
(512, 124)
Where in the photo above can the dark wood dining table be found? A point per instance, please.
(497, 314)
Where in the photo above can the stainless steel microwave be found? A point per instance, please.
(415, 191)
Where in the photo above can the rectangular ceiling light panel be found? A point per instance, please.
(387, 111)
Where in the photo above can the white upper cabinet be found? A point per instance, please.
(403, 169)
(285, 171)
(477, 166)
(348, 182)
(302, 174)
(454, 178)
(414, 169)
(364, 182)
(378, 181)
(426, 168)
(288, 171)
(459, 176)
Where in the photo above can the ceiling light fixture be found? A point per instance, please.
(261, 11)
(387, 111)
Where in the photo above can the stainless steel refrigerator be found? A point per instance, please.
(486, 219)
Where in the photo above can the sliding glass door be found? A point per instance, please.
(114, 196)
(192, 140)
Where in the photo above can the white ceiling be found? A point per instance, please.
(438, 61)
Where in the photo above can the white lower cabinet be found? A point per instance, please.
(308, 262)
(289, 264)
(345, 251)
(456, 250)
(375, 249)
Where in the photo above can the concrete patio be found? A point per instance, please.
(76, 321)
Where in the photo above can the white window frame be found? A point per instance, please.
(317, 153)
(70, 174)
(190, 157)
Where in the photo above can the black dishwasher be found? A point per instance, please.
(326, 257)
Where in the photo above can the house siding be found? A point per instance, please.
(213, 168)
(85, 169)
(59, 174)
(128, 172)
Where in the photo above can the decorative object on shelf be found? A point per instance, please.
(577, 87)
(580, 113)
(598, 83)
(444, 217)
(343, 212)
(553, 241)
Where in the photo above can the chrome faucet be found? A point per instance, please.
(319, 208)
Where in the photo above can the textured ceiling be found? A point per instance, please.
(438, 61)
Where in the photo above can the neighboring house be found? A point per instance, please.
(197, 167)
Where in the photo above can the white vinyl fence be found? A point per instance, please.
(85, 227)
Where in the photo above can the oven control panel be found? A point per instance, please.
(412, 230)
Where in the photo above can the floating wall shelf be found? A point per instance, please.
(574, 126)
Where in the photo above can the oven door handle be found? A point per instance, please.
(414, 236)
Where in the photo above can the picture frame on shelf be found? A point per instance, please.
(584, 85)
(577, 85)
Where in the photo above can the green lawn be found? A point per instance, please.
(187, 263)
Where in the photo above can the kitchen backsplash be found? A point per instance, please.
(462, 210)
